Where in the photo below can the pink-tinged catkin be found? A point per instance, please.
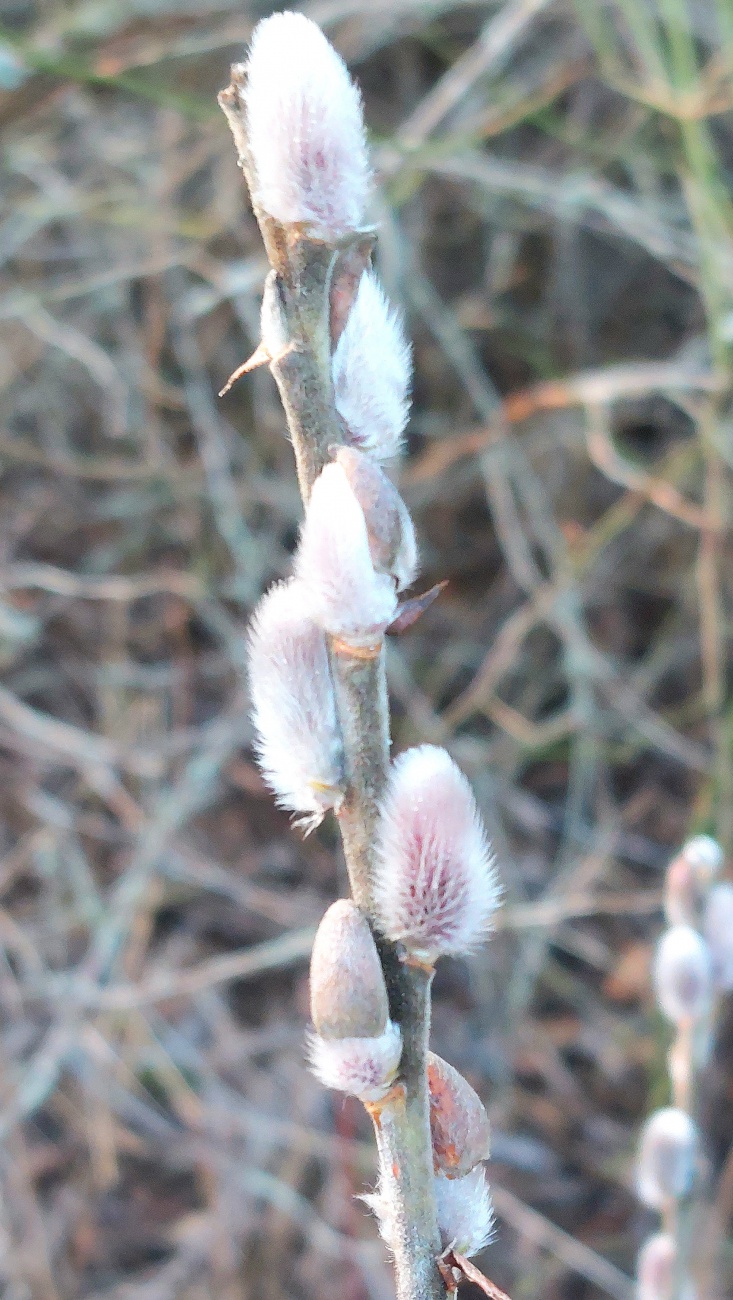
(390, 531)
(655, 1268)
(718, 927)
(667, 1156)
(347, 989)
(363, 1067)
(372, 371)
(348, 597)
(436, 888)
(465, 1212)
(459, 1125)
(298, 740)
(305, 129)
(683, 975)
(356, 1048)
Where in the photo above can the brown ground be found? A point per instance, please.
(556, 220)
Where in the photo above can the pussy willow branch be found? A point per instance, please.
(309, 300)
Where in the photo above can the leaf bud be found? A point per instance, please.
(465, 1212)
(683, 975)
(459, 1125)
(371, 373)
(305, 129)
(298, 739)
(347, 988)
(666, 1162)
(435, 888)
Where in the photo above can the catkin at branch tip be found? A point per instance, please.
(305, 128)
(436, 888)
(667, 1155)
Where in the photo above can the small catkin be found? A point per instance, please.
(683, 975)
(298, 739)
(465, 1212)
(363, 1067)
(348, 597)
(436, 888)
(667, 1155)
(371, 373)
(391, 534)
(688, 878)
(459, 1125)
(305, 129)
(356, 1047)
(347, 989)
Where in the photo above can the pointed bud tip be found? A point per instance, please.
(347, 989)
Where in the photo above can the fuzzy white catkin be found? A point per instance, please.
(465, 1212)
(348, 598)
(436, 888)
(666, 1161)
(372, 370)
(683, 975)
(298, 739)
(305, 128)
(362, 1067)
(718, 927)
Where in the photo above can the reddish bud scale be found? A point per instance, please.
(459, 1125)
